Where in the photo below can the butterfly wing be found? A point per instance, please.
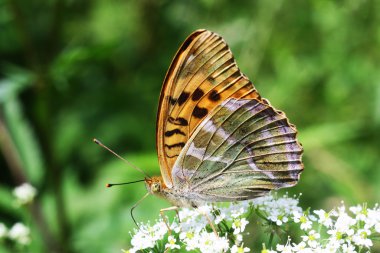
(241, 150)
(202, 75)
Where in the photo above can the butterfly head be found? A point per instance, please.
(154, 185)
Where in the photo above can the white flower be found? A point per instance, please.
(20, 233)
(172, 243)
(185, 213)
(373, 219)
(279, 219)
(312, 238)
(3, 230)
(287, 248)
(276, 209)
(361, 238)
(158, 231)
(191, 219)
(324, 218)
(190, 239)
(209, 242)
(25, 193)
(141, 241)
(359, 211)
(377, 227)
(238, 238)
(237, 211)
(239, 249)
(277, 216)
(333, 245)
(336, 237)
(129, 251)
(239, 225)
(219, 218)
(176, 227)
(303, 219)
(146, 236)
(348, 248)
(301, 247)
(343, 223)
(345, 233)
(264, 250)
(232, 211)
(205, 209)
(284, 248)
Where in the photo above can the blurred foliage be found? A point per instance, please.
(74, 70)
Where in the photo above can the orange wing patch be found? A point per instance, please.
(202, 75)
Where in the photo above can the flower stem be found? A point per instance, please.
(271, 239)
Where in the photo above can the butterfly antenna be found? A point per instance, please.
(121, 158)
(110, 185)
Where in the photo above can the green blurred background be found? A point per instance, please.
(74, 70)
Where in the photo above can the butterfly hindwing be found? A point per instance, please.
(241, 150)
(203, 75)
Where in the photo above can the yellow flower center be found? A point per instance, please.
(240, 250)
(189, 235)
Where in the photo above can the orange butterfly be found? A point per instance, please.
(217, 139)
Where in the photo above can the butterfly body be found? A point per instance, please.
(179, 197)
(217, 139)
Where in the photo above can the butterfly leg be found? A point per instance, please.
(172, 208)
(135, 205)
(209, 220)
(179, 220)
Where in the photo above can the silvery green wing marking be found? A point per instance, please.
(242, 150)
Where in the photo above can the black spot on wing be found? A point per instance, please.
(177, 145)
(211, 79)
(171, 156)
(172, 100)
(214, 96)
(178, 121)
(199, 112)
(198, 93)
(173, 132)
(182, 98)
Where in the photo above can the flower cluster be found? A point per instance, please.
(194, 231)
(19, 234)
(24, 193)
(277, 210)
(339, 230)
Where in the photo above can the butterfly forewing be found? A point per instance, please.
(203, 75)
(242, 150)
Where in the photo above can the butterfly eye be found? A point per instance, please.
(155, 187)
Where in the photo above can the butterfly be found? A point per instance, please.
(217, 139)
